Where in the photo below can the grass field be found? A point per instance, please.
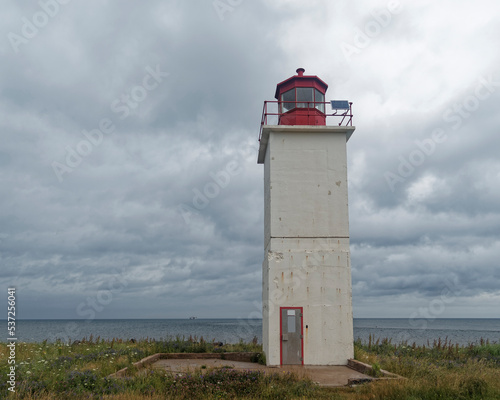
(79, 370)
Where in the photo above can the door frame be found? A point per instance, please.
(301, 331)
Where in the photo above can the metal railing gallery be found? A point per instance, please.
(274, 110)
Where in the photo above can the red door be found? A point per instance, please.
(292, 345)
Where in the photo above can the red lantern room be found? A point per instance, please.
(301, 100)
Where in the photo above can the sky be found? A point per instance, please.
(129, 183)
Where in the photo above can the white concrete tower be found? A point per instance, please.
(307, 300)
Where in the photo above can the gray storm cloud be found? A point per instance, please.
(151, 113)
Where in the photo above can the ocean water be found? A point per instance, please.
(461, 331)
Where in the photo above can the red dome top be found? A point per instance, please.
(301, 100)
(300, 80)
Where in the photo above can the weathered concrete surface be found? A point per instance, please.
(306, 233)
(368, 369)
(177, 365)
(239, 356)
(332, 375)
(337, 375)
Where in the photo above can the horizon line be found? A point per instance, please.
(211, 318)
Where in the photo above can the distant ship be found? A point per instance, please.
(193, 317)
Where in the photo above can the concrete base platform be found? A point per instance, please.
(328, 376)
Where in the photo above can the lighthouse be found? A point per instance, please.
(306, 273)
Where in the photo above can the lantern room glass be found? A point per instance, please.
(319, 99)
(288, 96)
(305, 97)
(302, 97)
